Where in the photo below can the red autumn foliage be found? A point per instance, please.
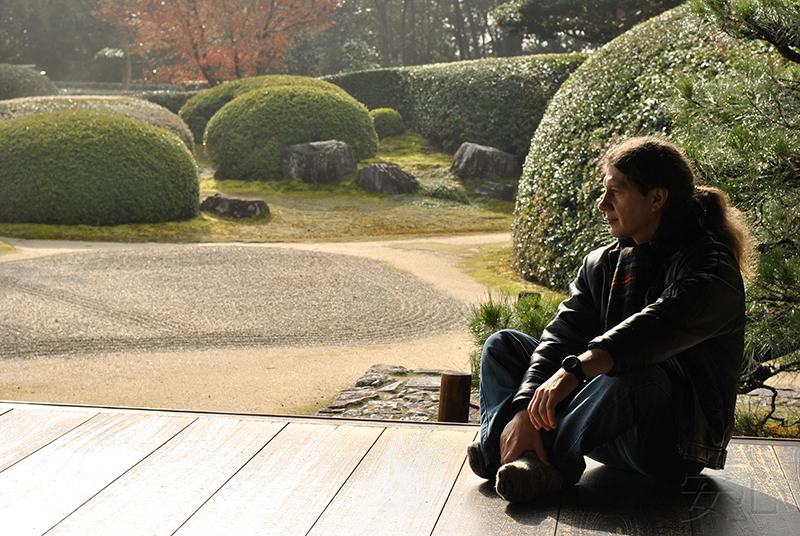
(215, 40)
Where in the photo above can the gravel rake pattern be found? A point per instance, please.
(186, 297)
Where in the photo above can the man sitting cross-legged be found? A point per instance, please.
(639, 368)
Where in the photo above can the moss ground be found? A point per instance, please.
(301, 212)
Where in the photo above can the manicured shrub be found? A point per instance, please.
(80, 167)
(623, 90)
(171, 99)
(20, 81)
(129, 107)
(201, 108)
(388, 122)
(245, 137)
(496, 102)
(376, 88)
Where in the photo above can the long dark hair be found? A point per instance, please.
(649, 162)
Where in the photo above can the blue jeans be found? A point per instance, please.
(625, 421)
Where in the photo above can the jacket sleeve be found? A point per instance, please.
(704, 300)
(578, 320)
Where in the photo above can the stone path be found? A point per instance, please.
(394, 393)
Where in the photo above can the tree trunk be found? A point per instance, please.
(126, 68)
(460, 34)
(409, 33)
(383, 24)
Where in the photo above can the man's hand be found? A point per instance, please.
(518, 436)
(542, 408)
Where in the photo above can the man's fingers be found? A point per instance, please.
(551, 414)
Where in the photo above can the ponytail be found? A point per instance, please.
(722, 220)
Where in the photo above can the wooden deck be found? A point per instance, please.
(95, 471)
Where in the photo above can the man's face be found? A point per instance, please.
(628, 212)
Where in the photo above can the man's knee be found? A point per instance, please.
(508, 349)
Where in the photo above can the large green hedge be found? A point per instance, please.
(19, 81)
(129, 107)
(199, 110)
(496, 102)
(245, 137)
(623, 90)
(376, 88)
(79, 167)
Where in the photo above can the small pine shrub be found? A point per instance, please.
(245, 137)
(199, 110)
(19, 81)
(388, 122)
(73, 167)
(129, 107)
(529, 313)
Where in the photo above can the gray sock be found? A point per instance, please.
(476, 461)
(527, 478)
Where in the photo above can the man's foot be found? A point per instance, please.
(527, 478)
(476, 461)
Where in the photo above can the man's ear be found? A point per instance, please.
(659, 196)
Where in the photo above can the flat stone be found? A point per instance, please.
(234, 207)
(503, 192)
(350, 397)
(437, 372)
(387, 369)
(426, 383)
(392, 387)
(372, 379)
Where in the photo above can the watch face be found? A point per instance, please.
(570, 363)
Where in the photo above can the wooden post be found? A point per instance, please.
(454, 397)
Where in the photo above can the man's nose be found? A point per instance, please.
(603, 204)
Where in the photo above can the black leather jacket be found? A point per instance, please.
(693, 327)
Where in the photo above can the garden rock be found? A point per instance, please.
(503, 192)
(234, 207)
(320, 162)
(386, 179)
(475, 161)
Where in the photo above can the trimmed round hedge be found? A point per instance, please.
(244, 139)
(129, 107)
(388, 122)
(19, 81)
(199, 110)
(74, 167)
(625, 89)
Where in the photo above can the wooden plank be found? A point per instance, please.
(42, 489)
(751, 496)
(159, 494)
(401, 486)
(614, 501)
(789, 459)
(474, 508)
(285, 488)
(24, 431)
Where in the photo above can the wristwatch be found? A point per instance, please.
(572, 365)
